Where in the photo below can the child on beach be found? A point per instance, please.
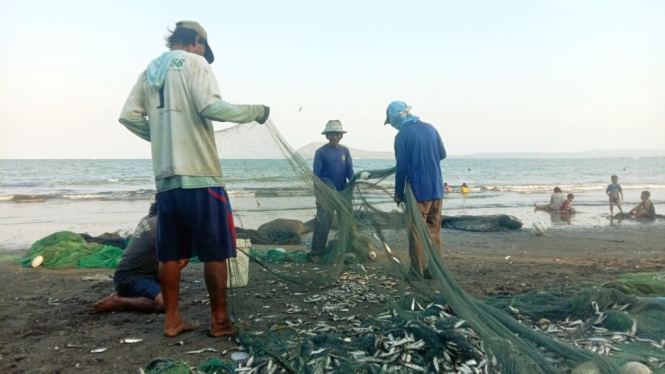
(447, 188)
(464, 189)
(565, 206)
(645, 209)
(556, 200)
(615, 194)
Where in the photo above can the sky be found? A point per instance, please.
(491, 76)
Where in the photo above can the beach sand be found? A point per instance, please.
(34, 333)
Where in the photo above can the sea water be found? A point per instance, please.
(55, 193)
(493, 183)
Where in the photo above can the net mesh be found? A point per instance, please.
(68, 249)
(420, 321)
(362, 307)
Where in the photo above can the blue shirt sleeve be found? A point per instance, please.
(349, 169)
(318, 163)
(401, 166)
(608, 188)
(442, 149)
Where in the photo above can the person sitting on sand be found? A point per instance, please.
(565, 206)
(334, 167)
(556, 200)
(645, 209)
(446, 188)
(136, 278)
(465, 189)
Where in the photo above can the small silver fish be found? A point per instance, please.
(130, 341)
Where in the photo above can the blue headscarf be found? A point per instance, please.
(156, 72)
(398, 114)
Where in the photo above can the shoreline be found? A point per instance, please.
(26, 223)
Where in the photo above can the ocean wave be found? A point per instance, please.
(18, 198)
(104, 196)
(84, 197)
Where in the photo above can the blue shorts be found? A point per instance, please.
(614, 200)
(195, 222)
(143, 287)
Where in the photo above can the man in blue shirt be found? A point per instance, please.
(419, 151)
(334, 167)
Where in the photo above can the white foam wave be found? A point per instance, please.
(83, 196)
(6, 197)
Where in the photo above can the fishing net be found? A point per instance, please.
(67, 249)
(165, 366)
(363, 308)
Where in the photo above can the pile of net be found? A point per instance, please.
(67, 249)
(375, 314)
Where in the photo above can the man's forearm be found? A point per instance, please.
(223, 111)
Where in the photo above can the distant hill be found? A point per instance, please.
(616, 153)
(307, 152)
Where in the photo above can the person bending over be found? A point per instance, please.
(645, 209)
(418, 152)
(137, 277)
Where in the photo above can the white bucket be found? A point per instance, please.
(238, 268)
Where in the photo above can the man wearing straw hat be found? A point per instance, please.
(334, 167)
(179, 95)
(419, 151)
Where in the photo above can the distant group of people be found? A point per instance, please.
(463, 190)
(559, 202)
(645, 209)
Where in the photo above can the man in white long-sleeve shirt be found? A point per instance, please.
(171, 106)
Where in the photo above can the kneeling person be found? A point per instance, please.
(137, 276)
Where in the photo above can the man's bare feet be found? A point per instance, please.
(105, 304)
(225, 328)
(171, 331)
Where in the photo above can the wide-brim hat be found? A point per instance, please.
(333, 126)
(192, 25)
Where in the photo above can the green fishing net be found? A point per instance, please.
(214, 365)
(165, 366)
(67, 249)
(436, 328)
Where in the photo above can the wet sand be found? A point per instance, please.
(34, 332)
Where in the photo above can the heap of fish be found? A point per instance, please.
(425, 339)
(594, 338)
